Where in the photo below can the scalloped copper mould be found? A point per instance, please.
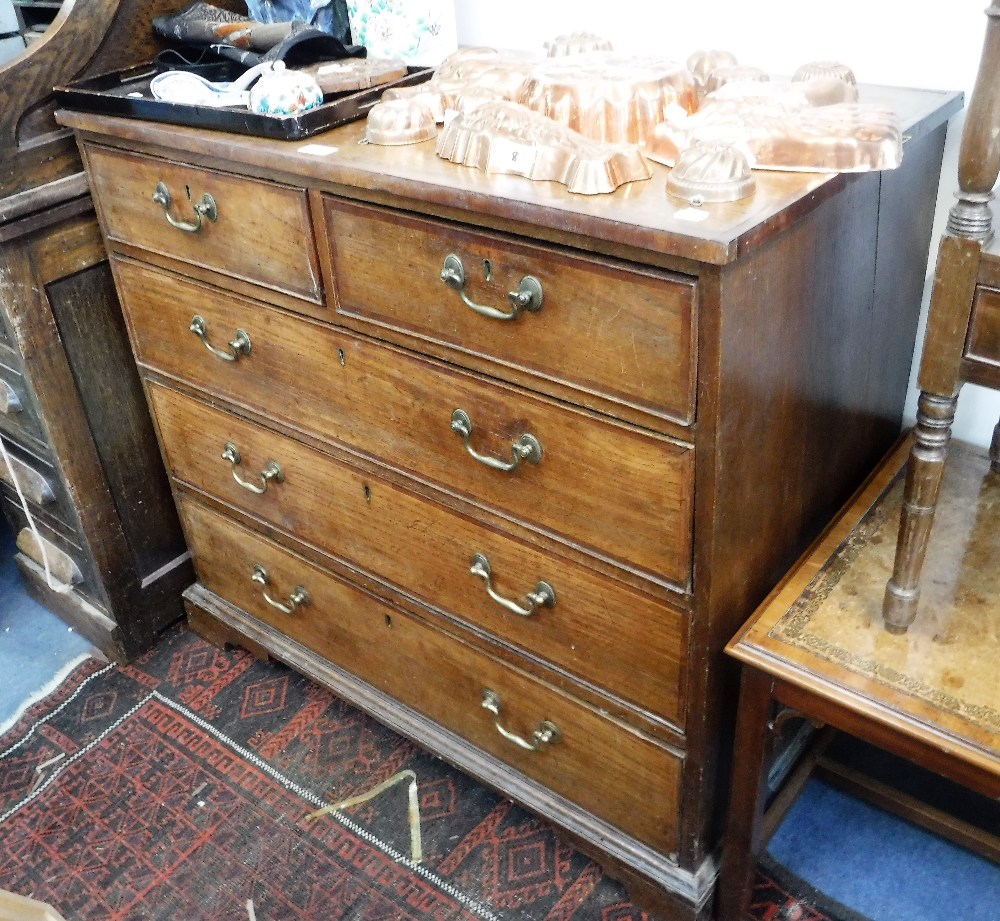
(779, 129)
(504, 137)
(608, 97)
(468, 77)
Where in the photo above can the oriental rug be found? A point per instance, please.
(179, 787)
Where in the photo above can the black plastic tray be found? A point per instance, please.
(112, 94)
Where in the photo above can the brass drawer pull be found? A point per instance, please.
(528, 295)
(272, 470)
(544, 594)
(205, 208)
(239, 345)
(546, 734)
(10, 402)
(526, 448)
(298, 598)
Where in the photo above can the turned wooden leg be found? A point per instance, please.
(748, 792)
(995, 450)
(923, 482)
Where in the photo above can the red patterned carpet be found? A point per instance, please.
(178, 788)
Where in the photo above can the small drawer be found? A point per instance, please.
(618, 775)
(593, 627)
(983, 343)
(621, 492)
(69, 562)
(613, 333)
(38, 483)
(62, 568)
(17, 409)
(255, 231)
(6, 336)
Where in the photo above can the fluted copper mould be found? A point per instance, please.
(505, 137)
(711, 173)
(720, 76)
(576, 43)
(825, 69)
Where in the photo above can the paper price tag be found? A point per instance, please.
(318, 150)
(508, 156)
(694, 215)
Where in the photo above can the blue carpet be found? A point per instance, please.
(881, 866)
(36, 648)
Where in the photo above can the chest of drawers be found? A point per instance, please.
(504, 466)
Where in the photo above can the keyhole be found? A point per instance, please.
(367, 492)
(187, 192)
(342, 357)
(488, 270)
(388, 620)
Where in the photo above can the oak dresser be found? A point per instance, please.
(81, 480)
(504, 466)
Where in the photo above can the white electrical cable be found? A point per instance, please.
(60, 587)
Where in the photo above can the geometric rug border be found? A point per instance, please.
(308, 796)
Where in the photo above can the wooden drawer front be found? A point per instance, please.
(37, 481)
(262, 233)
(69, 562)
(17, 410)
(609, 771)
(616, 490)
(598, 630)
(984, 332)
(622, 334)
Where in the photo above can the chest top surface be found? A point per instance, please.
(639, 215)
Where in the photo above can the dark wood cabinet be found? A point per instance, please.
(94, 508)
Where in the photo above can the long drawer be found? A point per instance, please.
(600, 327)
(590, 625)
(260, 231)
(616, 774)
(610, 488)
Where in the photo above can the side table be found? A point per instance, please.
(816, 649)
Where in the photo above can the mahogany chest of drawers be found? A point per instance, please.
(505, 466)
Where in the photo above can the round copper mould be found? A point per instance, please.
(711, 173)
(576, 43)
(400, 121)
(702, 63)
(827, 69)
(735, 74)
